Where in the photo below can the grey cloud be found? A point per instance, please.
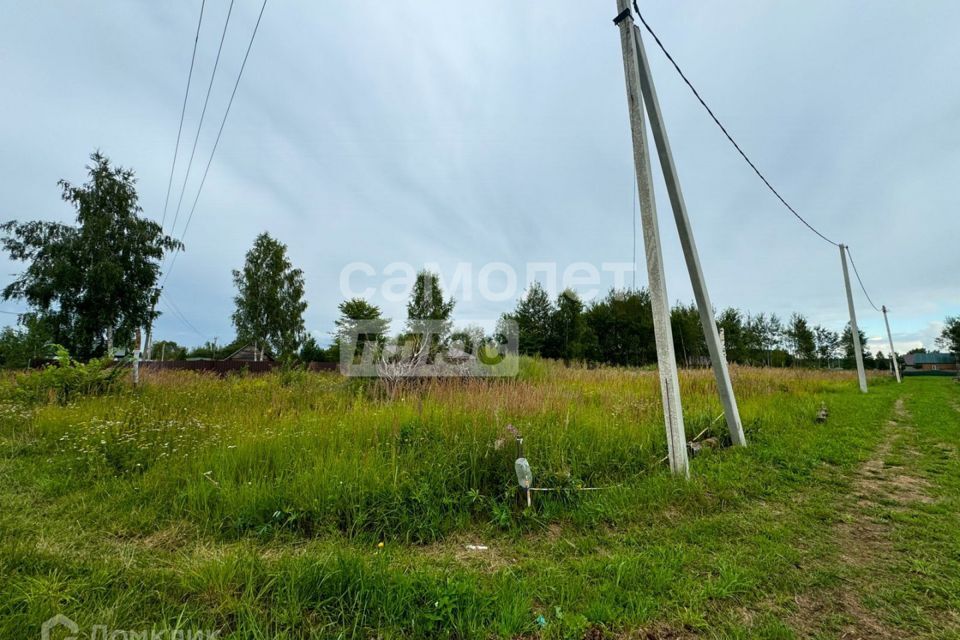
(497, 131)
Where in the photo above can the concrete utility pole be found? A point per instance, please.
(136, 360)
(148, 344)
(148, 348)
(854, 331)
(893, 354)
(718, 356)
(666, 358)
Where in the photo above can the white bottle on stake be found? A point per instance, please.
(524, 473)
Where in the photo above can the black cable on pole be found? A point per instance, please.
(183, 111)
(724, 129)
(857, 273)
(743, 154)
(203, 112)
(216, 142)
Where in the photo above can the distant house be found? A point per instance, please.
(935, 361)
(250, 353)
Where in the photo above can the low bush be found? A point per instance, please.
(66, 379)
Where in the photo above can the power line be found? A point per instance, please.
(724, 129)
(857, 273)
(743, 154)
(203, 112)
(176, 311)
(216, 142)
(183, 111)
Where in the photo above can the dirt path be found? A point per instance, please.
(866, 541)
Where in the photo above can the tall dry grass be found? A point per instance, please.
(314, 453)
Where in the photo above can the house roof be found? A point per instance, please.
(249, 353)
(934, 358)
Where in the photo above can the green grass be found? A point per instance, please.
(256, 506)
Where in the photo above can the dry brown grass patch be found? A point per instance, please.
(456, 549)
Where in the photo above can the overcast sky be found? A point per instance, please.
(444, 133)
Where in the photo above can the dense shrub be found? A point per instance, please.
(66, 378)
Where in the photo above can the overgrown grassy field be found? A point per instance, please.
(302, 505)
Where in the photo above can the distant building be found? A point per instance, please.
(935, 361)
(250, 353)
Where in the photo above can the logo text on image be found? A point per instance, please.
(60, 627)
(493, 281)
(428, 349)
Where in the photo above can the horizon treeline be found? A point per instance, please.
(92, 293)
(618, 330)
(614, 330)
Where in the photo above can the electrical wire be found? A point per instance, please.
(743, 154)
(179, 314)
(183, 111)
(216, 142)
(724, 129)
(203, 112)
(857, 273)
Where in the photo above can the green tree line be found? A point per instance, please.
(618, 330)
(92, 286)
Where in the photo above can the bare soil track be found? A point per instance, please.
(865, 540)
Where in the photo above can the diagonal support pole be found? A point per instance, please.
(690, 254)
(893, 354)
(854, 331)
(663, 334)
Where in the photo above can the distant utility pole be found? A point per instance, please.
(666, 358)
(691, 256)
(854, 331)
(893, 354)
